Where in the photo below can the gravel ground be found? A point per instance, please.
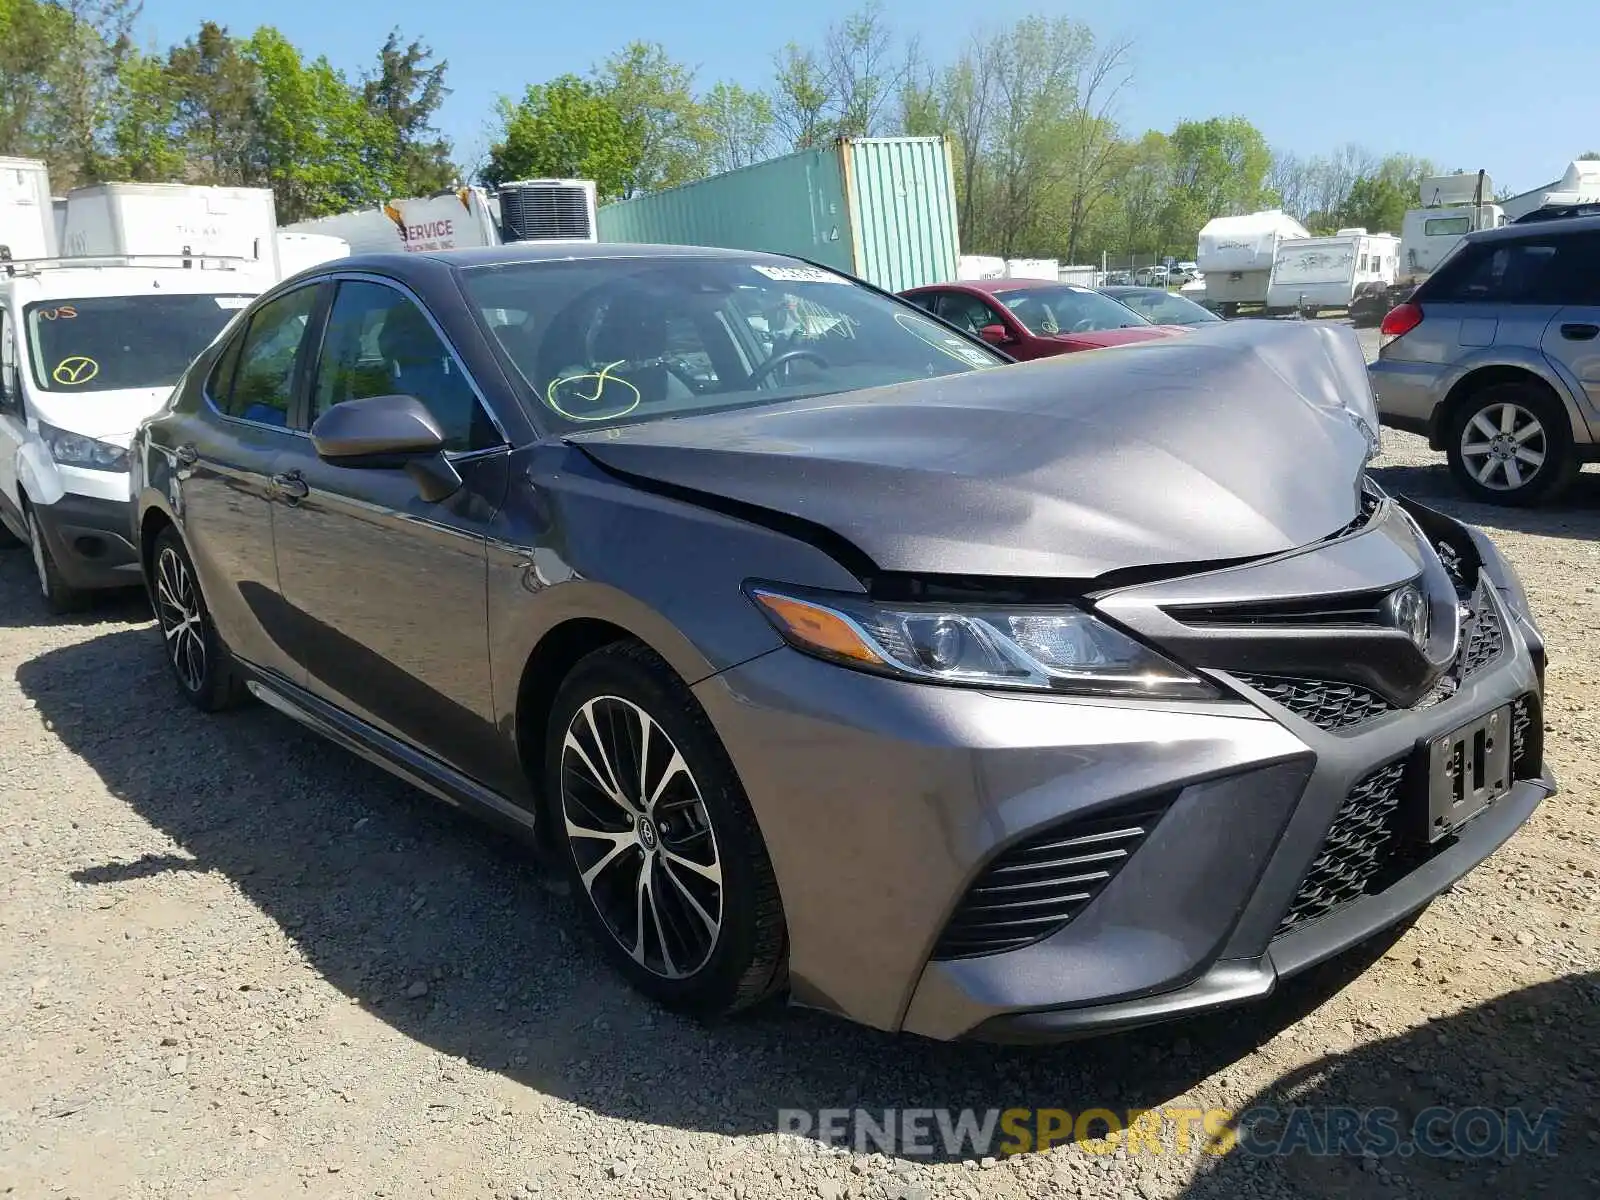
(236, 962)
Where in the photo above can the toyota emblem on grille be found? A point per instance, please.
(1406, 609)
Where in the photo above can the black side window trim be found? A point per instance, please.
(291, 423)
(395, 285)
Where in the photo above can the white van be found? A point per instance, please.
(89, 348)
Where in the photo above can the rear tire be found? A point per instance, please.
(59, 598)
(661, 845)
(1511, 444)
(204, 669)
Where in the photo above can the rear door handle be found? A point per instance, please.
(1580, 333)
(186, 454)
(291, 486)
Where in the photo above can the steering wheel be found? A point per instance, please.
(1084, 326)
(778, 360)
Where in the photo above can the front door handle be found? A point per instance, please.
(1580, 333)
(291, 486)
(186, 454)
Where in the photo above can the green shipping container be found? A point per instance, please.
(883, 209)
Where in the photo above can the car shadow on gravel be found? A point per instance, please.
(439, 927)
(24, 608)
(1575, 515)
(1463, 1081)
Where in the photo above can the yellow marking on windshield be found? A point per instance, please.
(74, 370)
(601, 377)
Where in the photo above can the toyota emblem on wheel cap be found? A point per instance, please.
(1406, 609)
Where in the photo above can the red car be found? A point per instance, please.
(1034, 318)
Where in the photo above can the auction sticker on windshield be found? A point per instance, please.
(799, 274)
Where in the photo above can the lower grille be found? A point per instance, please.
(1037, 886)
(1358, 847)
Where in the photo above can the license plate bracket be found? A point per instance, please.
(1469, 768)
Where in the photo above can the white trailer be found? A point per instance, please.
(172, 220)
(448, 220)
(1235, 255)
(27, 219)
(1311, 274)
(980, 266)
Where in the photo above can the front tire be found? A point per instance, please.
(200, 662)
(59, 598)
(1511, 444)
(659, 840)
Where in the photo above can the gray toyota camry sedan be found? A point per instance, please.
(833, 655)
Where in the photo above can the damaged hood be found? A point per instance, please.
(1235, 441)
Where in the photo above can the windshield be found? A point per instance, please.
(638, 339)
(1163, 308)
(103, 343)
(1065, 309)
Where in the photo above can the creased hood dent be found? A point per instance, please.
(1233, 442)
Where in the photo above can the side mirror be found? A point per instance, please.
(995, 335)
(388, 431)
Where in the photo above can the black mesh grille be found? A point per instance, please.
(1034, 888)
(541, 212)
(1527, 737)
(1326, 705)
(1358, 847)
(1482, 639)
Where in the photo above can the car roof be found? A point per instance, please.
(994, 287)
(1536, 229)
(527, 252)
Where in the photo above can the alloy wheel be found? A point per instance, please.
(1503, 446)
(640, 836)
(178, 609)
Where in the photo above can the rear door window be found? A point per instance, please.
(1523, 272)
(263, 385)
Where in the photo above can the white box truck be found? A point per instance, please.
(1235, 256)
(1311, 274)
(27, 218)
(458, 218)
(172, 220)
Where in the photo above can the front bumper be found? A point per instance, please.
(882, 802)
(89, 538)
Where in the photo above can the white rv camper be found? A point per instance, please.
(1236, 255)
(27, 218)
(172, 220)
(1311, 274)
(1452, 207)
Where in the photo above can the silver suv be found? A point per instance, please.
(1496, 359)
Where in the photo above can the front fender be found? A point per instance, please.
(37, 474)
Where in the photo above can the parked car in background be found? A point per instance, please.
(1119, 277)
(1030, 318)
(745, 622)
(1162, 307)
(1496, 359)
(1184, 272)
(90, 348)
(1151, 276)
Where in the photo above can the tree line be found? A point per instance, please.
(1043, 165)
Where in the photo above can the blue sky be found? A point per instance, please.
(1514, 89)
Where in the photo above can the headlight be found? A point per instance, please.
(1054, 648)
(75, 450)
